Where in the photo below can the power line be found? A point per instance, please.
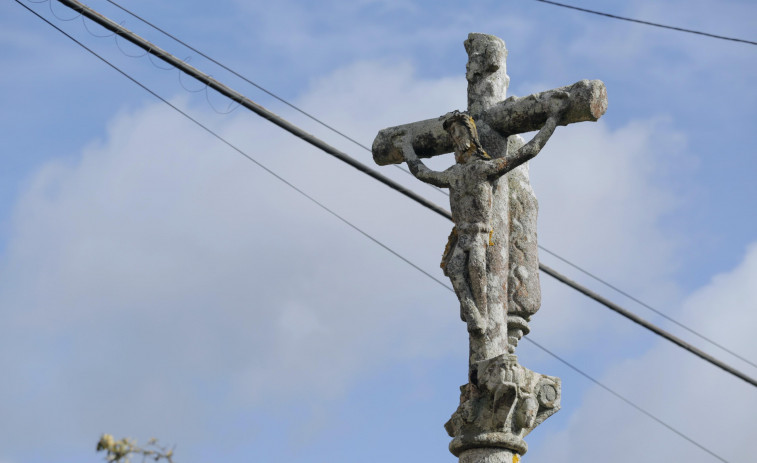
(680, 29)
(246, 102)
(321, 205)
(243, 153)
(619, 396)
(293, 129)
(650, 326)
(644, 304)
(342, 134)
(259, 87)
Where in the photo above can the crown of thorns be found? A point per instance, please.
(459, 118)
(464, 119)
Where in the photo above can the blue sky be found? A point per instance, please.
(155, 283)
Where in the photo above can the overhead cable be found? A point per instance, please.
(621, 397)
(347, 137)
(243, 153)
(259, 87)
(650, 326)
(680, 29)
(322, 145)
(644, 304)
(269, 171)
(246, 102)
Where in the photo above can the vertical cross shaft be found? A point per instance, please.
(486, 73)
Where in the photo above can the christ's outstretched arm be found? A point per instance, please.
(420, 170)
(501, 166)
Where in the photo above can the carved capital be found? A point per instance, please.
(502, 404)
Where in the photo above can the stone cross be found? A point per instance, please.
(491, 257)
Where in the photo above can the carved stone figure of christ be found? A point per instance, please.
(470, 186)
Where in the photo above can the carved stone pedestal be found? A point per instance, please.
(502, 403)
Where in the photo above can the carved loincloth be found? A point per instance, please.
(454, 237)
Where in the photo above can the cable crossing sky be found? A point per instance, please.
(361, 145)
(320, 144)
(647, 23)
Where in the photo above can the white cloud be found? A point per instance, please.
(161, 280)
(160, 268)
(603, 201)
(710, 406)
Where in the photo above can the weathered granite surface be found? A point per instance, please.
(491, 257)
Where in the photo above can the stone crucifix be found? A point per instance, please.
(491, 256)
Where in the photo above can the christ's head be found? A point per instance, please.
(462, 129)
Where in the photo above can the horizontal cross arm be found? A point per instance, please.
(427, 137)
(588, 102)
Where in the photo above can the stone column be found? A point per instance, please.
(489, 456)
(502, 401)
